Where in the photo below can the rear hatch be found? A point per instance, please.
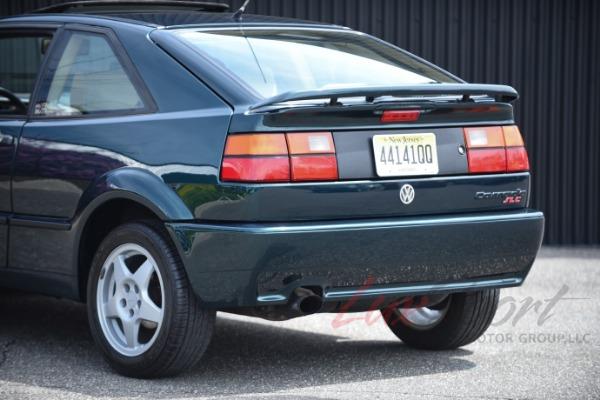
(333, 124)
(451, 166)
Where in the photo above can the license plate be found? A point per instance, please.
(406, 155)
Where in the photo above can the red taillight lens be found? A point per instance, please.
(256, 169)
(487, 161)
(314, 168)
(390, 116)
(516, 159)
(495, 149)
(279, 158)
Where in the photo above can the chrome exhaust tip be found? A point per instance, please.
(306, 302)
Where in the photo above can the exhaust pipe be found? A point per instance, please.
(306, 302)
(303, 301)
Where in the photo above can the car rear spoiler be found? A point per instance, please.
(500, 93)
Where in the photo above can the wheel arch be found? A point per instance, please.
(122, 196)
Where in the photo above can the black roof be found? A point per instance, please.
(157, 13)
(100, 6)
(201, 18)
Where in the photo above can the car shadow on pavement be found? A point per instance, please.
(45, 343)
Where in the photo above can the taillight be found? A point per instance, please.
(487, 161)
(256, 145)
(312, 156)
(516, 159)
(278, 157)
(256, 158)
(516, 155)
(314, 168)
(310, 143)
(495, 149)
(256, 169)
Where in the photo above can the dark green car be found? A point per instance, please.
(165, 160)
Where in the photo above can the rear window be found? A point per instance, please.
(275, 61)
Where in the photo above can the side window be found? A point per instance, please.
(21, 56)
(87, 78)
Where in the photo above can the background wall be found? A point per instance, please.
(547, 49)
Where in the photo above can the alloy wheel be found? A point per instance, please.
(424, 318)
(130, 300)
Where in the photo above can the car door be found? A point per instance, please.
(22, 53)
(78, 125)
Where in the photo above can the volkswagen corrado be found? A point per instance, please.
(162, 161)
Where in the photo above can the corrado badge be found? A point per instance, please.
(508, 197)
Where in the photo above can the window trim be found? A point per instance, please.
(24, 29)
(149, 105)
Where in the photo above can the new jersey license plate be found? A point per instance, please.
(405, 155)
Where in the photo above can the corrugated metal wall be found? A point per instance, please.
(21, 52)
(547, 49)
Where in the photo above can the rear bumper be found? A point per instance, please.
(247, 265)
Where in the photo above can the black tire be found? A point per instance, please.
(467, 317)
(186, 327)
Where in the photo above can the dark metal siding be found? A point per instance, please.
(547, 49)
(20, 52)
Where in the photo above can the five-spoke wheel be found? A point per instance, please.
(458, 320)
(423, 318)
(130, 297)
(143, 313)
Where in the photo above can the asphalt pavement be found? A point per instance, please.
(543, 344)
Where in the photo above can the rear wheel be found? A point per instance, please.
(458, 320)
(142, 311)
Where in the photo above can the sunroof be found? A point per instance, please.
(109, 6)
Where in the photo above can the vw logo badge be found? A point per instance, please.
(407, 194)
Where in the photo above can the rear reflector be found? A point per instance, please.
(495, 149)
(256, 169)
(390, 116)
(298, 157)
(314, 168)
